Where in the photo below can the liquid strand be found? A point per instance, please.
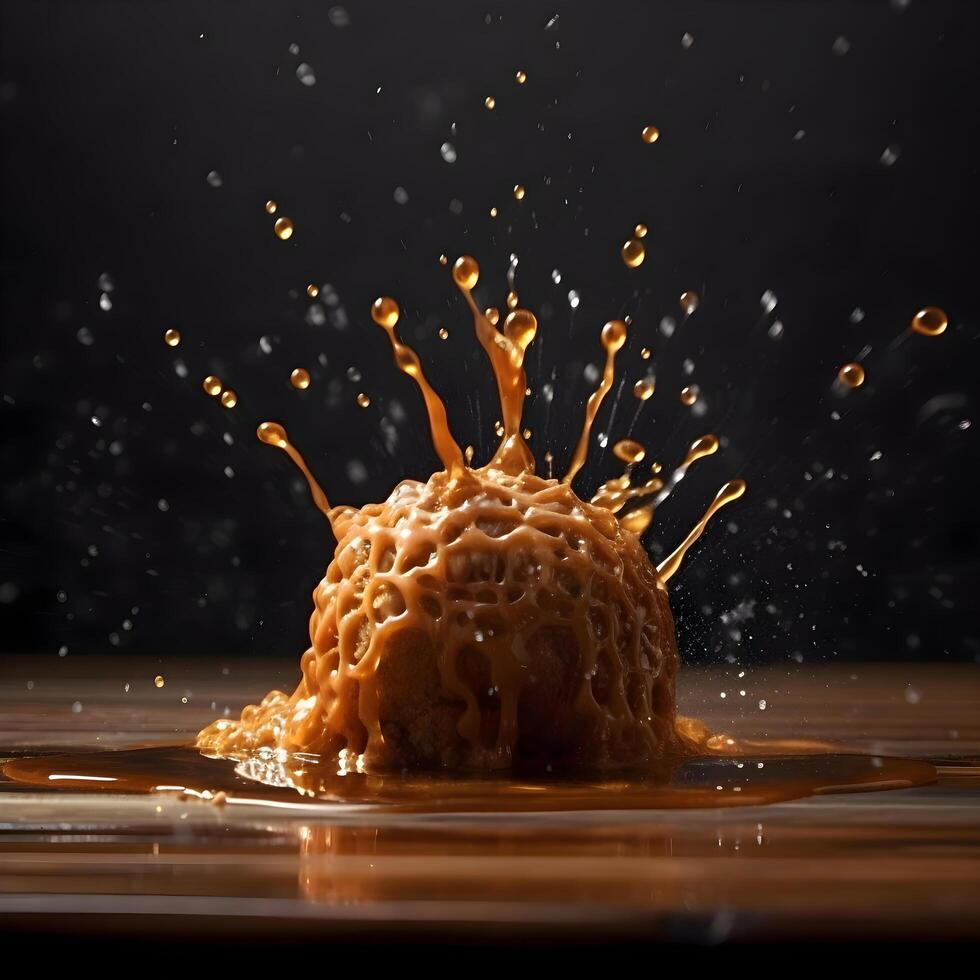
(385, 313)
(613, 338)
(274, 434)
(729, 492)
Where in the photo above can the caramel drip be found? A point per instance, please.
(615, 494)
(729, 492)
(639, 520)
(474, 623)
(506, 353)
(613, 338)
(274, 434)
(385, 313)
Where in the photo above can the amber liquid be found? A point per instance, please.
(768, 773)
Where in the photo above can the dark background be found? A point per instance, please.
(164, 527)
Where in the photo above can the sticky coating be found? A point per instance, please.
(479, 623)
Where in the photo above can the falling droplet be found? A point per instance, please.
(644, 388)
(650, 134)
(171, 338)
(468, 454)
(443, 333)
(385, 312)
(851, 375)
(312, 291)
(518, 192)
(212, 385)
(492, 314)
(272, 434)
(229, 399)
(930, 321)
(646, 353)
(493, 212)
(299, 378)
(640, 231)
(490, 102)
(689, 302)
(689, 395)
(443, 259)
(271, 207)
(284, 228)
(629, 451)
(363, 400)
(159, 680)
(633, 252)
(466, 272)
(521, 77)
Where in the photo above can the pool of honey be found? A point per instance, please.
(784, 772)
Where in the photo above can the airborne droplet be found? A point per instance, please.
(633, 253)
(212, 385)
(171, 338)
(650, 134)
(283, 228)
(299, 378)
(930, 321)
(851, 375)
(229, 399)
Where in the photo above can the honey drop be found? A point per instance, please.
(930, 321)
(283, 228)
(228, 398)
(644, 388)
(640, 231)
(159, 680)
(212, 385)
(272, 434)
(312, 291)
(299, 378)
(689, 302)
(171, 338)
(521, 77)
(646, 353)
(689, 395)
(466, 272)
(518, 192)
(629, 452)
(492, 314)
(443, 333)
(363, 400)
(493, 212)
(468, 454)
(512, 301)
(633, 253)
(490, 102)
(851, 375)
(650, 134)
(384, 312)
(271, 207)
(443, 260)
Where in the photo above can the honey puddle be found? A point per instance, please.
(769, 772)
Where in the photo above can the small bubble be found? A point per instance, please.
(556, 276)
(106, 283)
(305, 74)
(857, 315)
(105, 304)
(448, 152)
(338, 16)
(687, 40)
(776, 330)
(841, 46)
(62, 651)
(76, 708)
(163, 505)
(456, 206)
(768, 301)
(574, 299)
(214, 179)
(763, 704)
(400, 195)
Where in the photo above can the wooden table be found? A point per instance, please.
(889, 865)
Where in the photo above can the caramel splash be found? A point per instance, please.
(732, 490)
(273, 434)
(385, 313)
(613, 338)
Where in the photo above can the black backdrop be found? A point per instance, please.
(823, 151)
